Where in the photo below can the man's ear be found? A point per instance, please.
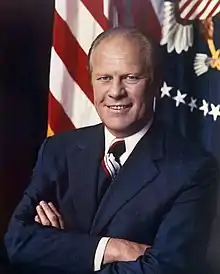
(159, 71)
(156, 86)
(90, 75)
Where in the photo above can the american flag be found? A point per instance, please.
(198, 9)
(76, 24)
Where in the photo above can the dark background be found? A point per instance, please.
(25, 43)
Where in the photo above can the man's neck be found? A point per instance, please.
(130, 140)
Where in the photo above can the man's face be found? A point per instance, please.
(120, 82)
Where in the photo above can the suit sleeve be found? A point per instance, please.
(181, 241)
(31, 244)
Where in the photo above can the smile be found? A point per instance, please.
(119, 107)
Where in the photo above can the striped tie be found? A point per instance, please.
(111, 161)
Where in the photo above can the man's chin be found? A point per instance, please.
(120, 131)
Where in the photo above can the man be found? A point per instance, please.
(125, 196)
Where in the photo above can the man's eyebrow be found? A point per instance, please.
(102, 74)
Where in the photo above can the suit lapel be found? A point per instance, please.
(139, 170)
(83, 163)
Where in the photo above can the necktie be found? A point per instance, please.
(111, 161)
(110, 167)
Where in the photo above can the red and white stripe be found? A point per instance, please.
(198, 9)
(76, 24)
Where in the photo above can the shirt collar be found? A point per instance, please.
(130, 141)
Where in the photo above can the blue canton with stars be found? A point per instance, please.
(189, 102)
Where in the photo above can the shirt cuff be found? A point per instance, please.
(99, 254)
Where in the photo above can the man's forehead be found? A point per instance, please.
(116, 41)
(117, 47)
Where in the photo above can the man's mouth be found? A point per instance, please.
(119, 107)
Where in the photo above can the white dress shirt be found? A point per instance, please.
(130, 143)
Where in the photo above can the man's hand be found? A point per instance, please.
(48, 215)
(120, 250)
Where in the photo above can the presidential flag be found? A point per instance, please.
(190, 94)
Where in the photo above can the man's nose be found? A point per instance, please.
(117, 89)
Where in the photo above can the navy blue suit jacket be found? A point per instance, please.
(162, 197)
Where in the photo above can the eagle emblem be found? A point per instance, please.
(177, 30)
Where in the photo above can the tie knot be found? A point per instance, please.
(117, 149)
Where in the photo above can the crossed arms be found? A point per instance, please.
(117, 250)
(177, 245)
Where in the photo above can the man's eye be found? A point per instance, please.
(104, 78)
(132, 77)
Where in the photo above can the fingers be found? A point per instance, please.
(47, 216)
(37, 219)
(60, 219)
